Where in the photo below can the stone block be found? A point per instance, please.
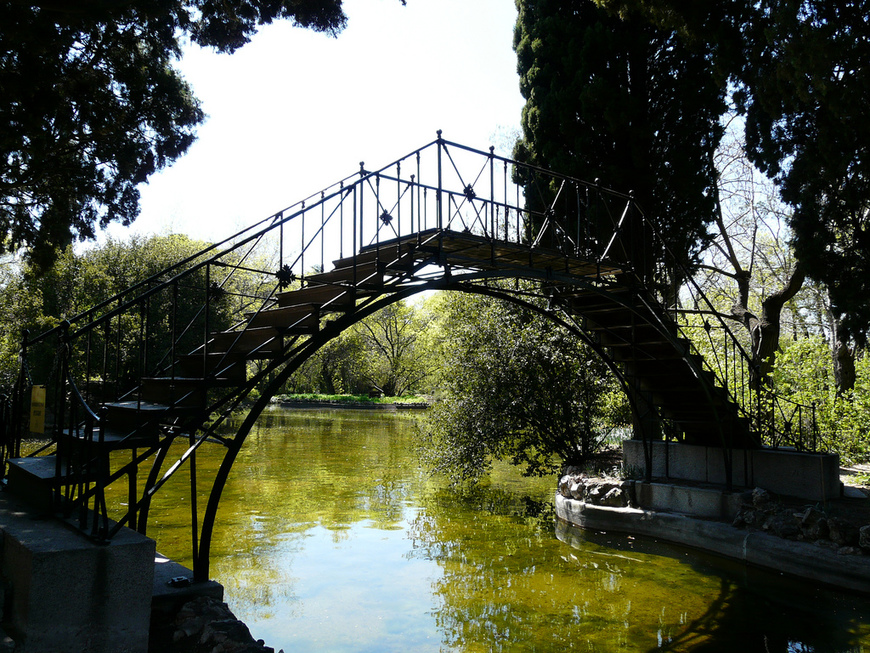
(69, 593)
(814, 477)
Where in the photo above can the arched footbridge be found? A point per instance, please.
(167, 361)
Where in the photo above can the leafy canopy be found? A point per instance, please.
(91, 104)
(623, 102)
(799, 70)
(514, 386)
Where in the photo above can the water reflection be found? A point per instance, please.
(331, 538)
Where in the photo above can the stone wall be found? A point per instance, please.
(813, 477)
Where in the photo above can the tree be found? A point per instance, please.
(38, 300)
(805, 94)
(92, 106)
(623, 102)
(800, 78)
(396, 366)
(749, 261)
(514, 386)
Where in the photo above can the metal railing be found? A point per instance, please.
(106, 353)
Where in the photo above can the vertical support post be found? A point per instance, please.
(411, 190)
(362, 172)
(194, 511)
(322, 234)
(420, 226)
(439, 199)
(174, 318)
(492, 231)
(132, 491)
(507, 212)
(341, 196)
(206, 324)
(378, 214)
(399, 198)
(60, 405)
(88, 394)
(280, 217)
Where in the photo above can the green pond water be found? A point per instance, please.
(331, 537)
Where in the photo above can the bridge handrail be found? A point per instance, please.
(763, 403)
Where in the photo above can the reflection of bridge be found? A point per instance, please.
(168, 360)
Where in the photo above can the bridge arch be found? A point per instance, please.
(289, 367)
(444, 216)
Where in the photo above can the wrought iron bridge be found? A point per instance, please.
(138, 384)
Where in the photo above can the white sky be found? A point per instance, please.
(294, 110)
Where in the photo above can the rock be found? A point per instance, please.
(781, 524)
(842, 532)
(593, 494)
(577, 490)
(615, 498)
(6, 643)
(565, 486)
(864, 537)
(849, 550)
(761, 497)
(814, 524)
(206, 625)
(226, 635)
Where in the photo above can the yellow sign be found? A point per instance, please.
(37, 409)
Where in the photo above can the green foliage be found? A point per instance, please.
(78, 282)
(350, 399)
(803, 374)
(383, 353)
(392, 341)
(623, 102)
(514, 386)
(91, 105)
(800, 74)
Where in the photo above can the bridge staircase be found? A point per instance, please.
(145, 379)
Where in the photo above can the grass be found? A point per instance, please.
(353, 399)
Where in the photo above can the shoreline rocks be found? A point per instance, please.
(203, 625)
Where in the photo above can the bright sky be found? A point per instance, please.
(294, 110)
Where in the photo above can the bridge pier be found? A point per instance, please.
(810, 476)
(64, 592)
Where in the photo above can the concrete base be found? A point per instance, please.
(806, 561)
(703, 502)
(67, 593)
(814, 477)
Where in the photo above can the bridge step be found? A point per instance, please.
(261, 342)
(216, 367)
(367, 275)
(178, 391)
(115, 437)
(145, 416)
(298, 319)
(402, 256)
(327, 298)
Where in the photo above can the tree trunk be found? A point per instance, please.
(844, 360)
(764, 329)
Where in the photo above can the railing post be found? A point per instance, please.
(399, 199)
(60, 406)
(492, 231)
(18, 397)
(362, 173)
(439, 199)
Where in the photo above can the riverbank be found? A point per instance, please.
(826, 544)
(308, 404)
(352, 402)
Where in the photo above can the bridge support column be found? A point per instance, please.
(67, 593)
